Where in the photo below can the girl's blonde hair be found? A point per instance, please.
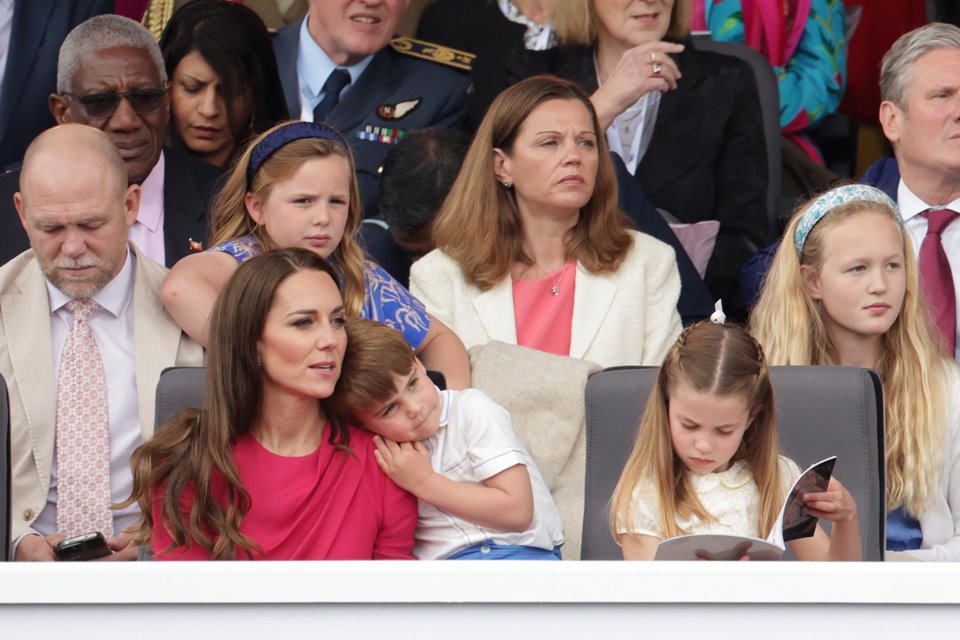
(912, 366)
(575, 21)
(479, 224)
(719, 360)
(230, 219)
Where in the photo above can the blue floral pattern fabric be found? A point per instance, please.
(386, 300)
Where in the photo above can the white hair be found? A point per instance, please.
(104, 32)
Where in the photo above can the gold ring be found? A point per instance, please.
(653, 57)
(657, 68)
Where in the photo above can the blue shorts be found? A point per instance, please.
(493, 551)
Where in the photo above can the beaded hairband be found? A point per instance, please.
(834, 198)
(283, 136)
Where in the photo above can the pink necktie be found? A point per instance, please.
(936, 278)
(83, 431)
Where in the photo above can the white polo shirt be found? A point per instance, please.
(476, 441)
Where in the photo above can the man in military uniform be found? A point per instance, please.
(341, 65)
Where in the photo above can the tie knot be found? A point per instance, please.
(938, 219)
(81, 308)
(336, 82)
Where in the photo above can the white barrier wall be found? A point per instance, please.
(490, 600)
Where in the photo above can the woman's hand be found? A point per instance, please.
(835, 504)
(642, 69)
(406, 463)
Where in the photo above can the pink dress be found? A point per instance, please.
(327, 505)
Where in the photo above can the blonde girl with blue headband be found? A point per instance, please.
(706, 458)
(843, 289)
(295, 185)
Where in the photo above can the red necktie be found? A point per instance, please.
(83, 431)
(936, 279)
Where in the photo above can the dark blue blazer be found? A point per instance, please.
(38, 30)
(390, 78)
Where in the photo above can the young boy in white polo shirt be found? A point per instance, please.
(481, 496)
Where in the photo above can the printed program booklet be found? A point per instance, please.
(794, 523)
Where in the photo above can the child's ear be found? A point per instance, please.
(753, 416)
(254, 206)
(811, 281)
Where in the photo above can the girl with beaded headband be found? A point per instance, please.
(706, 459)
(843, 289)
(296, 185)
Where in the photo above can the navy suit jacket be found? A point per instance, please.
(188, 186)
(37, 31)
(390, 78)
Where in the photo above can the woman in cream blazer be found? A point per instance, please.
(535, 206)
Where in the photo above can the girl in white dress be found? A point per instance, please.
(706, 458)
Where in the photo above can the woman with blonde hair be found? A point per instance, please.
(531, 247)
(685, 122)
(295, 186)
(843, 289)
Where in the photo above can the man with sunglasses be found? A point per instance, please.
(110, 76)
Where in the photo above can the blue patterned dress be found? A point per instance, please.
(386, 300)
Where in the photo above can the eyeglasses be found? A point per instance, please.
(104, 105)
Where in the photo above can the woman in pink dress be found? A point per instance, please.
(263, 472)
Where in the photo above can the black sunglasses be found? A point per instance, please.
(104, 105)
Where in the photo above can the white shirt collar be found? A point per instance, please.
(114, 297)
(911, 205)
(444, 407)
(314, 65)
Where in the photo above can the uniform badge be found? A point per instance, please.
(386, 135)
(397, 111)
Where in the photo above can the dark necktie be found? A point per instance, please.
(331, 94)
(936, 277)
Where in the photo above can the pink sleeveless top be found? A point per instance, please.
(544, 310)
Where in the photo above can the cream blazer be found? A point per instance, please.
(628, 317)
(26, 363)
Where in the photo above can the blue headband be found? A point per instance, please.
(834, 198)
(284, 135)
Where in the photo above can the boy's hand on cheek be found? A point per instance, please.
(406, 463)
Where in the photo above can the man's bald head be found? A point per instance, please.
(73, 151)
(76, 207)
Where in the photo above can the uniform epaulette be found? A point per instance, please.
(433, 52)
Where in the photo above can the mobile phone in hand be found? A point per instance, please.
(87, 546)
